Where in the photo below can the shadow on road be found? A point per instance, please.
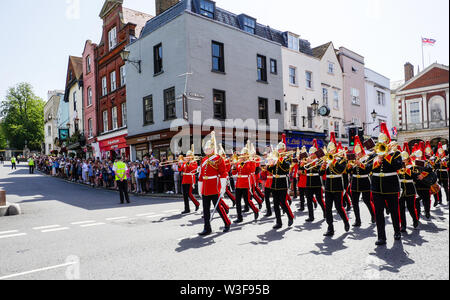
(394, 258)
(330, 246)
(39, 188)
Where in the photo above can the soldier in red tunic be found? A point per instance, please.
(212, 185)
(228, 167)
(189, 169)
(244, 170)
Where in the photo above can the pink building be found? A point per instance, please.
(354, 89)
(89, 97)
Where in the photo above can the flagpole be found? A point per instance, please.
(423, 60)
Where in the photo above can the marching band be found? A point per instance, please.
(387, 178)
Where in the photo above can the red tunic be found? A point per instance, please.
(245, 173)
(189, 170)
(212, 170)
(268, 180)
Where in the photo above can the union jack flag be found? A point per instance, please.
(427, 41)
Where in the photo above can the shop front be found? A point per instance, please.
(113, 148)
(298, 139)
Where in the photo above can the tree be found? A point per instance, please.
(23, 117)
(2, 137)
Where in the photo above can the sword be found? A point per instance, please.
(215, 209)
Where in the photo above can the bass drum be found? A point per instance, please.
(435, 188)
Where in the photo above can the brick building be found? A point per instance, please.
(421, 105)
(120, 26)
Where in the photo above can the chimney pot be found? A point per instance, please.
(163, 5)
(409, 71)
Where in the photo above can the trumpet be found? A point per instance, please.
(181, 160)
(327, 157)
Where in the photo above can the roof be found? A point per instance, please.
(77, 65)
(135, 17)
(224, 17)
(320, 51)
(428, 78)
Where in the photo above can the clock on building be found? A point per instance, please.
(324, 111)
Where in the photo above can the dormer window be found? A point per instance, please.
(249, 25)
(207, 9)
(293, 42)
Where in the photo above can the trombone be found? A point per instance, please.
(327, 157)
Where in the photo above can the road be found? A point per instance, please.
(69, 231)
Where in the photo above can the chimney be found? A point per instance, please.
(163, 5)
(409, 71)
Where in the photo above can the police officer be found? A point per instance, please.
(385, 185)
(13, 163)
(31, 165)
(120, 169)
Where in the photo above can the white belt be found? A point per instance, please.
(269, 177)
(334, 176)
(385, 174)
(208, 178)
(279, 176)
(361, 176)
(243, 176)
(407, 181)
(443, 170)
(313, 174)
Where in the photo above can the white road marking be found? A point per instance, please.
(94, 224)
(155, 216)
(118, 218)
(143, 215)
(82, 222)
(11, 231)
(55, 229)
(12, 235)
(37, 270)
(46, 227)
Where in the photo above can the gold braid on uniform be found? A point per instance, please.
(334, 170)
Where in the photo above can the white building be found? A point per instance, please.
(378, 95)
(51, 109)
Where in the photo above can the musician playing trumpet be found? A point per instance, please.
(360, 183)
(189, 167)
(385, 185)
(334, 169)
(441, 167)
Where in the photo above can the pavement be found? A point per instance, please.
(71, 231)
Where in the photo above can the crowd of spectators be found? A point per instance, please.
(144, 177)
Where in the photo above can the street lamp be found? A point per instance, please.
(125, 55)
(374, 115)
(315, 106)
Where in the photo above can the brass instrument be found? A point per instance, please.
(328, 157)
(181, 160)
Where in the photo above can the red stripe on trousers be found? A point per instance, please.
(398, 208)
(232, 197)
(342, 205)
(224, 216)
(321, 198)
(191, 196)
(250, 202)
(289, 209)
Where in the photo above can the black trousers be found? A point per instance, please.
(444, 183)
(302, 194)
(410, 203)
(13, 166)
(366, 198)
(187, 195)
(380, 203)
(338, 199)
(267, 194)
(31, 169)
(280, 200)
(294, 186)
(207, 201)
(243, 193)
(425, 196)
(316, 192)
(123, 190)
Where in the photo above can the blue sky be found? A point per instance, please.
(37, 36)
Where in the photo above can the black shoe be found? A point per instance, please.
(186, 212)
(416, 224)
(428, 216)
(357, 224)
(268, 215)
(380, 242)
(310, 220)
(290, 202)
(226, 229)
(398, 236)
(349, 208)
(246, 210)
(374, 220)
(122, 203)
(329, 233)
(435, 204)
(388, 212)
(205, 232)
(302, 208)
(291, 221)
(260, 205)
(278, 226)
(238, 221)
(403, 230)
(347, 227)
(256, 216)
(197, 208)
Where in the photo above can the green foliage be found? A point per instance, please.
(2, 137)
(23, 117)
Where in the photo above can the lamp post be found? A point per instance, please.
(374, 116)
(125, 55)
(315, 106)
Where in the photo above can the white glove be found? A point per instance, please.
(223, 187)
(200, 186)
